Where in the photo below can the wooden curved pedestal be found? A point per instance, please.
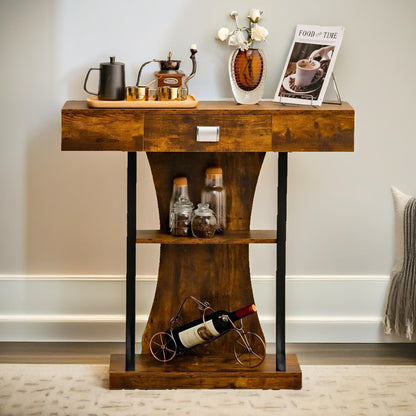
(214, 270)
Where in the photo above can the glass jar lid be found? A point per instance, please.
(184, 204)
(203, 210)
(213, 173)
(180, 181)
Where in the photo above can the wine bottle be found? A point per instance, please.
(215, 324)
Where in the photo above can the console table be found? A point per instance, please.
(217, 269)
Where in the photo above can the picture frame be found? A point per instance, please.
(309, 65)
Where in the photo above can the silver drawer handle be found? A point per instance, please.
(208, 133)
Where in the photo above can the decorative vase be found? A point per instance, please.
(247, 70)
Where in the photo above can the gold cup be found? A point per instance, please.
(163, 93)
(152, 94)
(167, 93)
(174, 93)
(131, 93)
(136, 93)
(142, 93)
(182, 93)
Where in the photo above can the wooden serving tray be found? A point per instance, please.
(93, 101)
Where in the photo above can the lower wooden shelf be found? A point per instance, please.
(203, 372)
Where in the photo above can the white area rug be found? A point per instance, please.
(81, 390)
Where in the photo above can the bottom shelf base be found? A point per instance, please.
(203, 372)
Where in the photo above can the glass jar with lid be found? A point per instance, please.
(213, 194)
(181, 218)
(204, 222)
(179, 191)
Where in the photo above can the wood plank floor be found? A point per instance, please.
(315, 354)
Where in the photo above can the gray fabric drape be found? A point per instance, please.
(400, 315)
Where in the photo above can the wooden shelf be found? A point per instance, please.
(203, 372)
(230, 237)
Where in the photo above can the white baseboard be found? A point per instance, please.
(91, 308)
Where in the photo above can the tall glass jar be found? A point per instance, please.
(179, 192)
(181, 218)
(213, 194)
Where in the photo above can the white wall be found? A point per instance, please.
(62, 214)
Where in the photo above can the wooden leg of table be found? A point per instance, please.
(281, 264)
(131, 261)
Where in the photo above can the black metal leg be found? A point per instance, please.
(131, 261)
(281, 264)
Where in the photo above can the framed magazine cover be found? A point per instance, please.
(309, 65)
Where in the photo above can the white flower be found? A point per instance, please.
(223, 33)
(259, 33)
(255, 15)
(244, 36)
(238, 39)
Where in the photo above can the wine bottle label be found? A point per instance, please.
(198, 334)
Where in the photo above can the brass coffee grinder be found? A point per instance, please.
(169, 74)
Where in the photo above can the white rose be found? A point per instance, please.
(259, 33)
(223, 33)
(238, 39)
(255, 15)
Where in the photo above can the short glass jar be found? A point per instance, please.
(204, 222)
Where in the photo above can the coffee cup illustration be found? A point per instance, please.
(306, 69)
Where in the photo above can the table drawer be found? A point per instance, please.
(237, 132)
(316, 131)
(102, 129)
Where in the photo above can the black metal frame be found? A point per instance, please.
(131, 262)
(281, 263)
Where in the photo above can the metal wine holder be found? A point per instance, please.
(249, 348)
